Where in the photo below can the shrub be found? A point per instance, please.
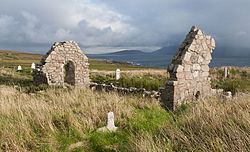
(233, 85)
(148, 82)
(244, 74)
(103, 79)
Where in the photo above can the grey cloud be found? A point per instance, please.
(45, 22)
(221, 18)
(108, 23)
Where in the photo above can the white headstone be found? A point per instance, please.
(225, 72)
(19, 68)
(117, 74)
(33, 66)
(111, 122)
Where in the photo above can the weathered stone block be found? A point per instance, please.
(187, 57)
(187, 68)
(195, 74)
(188, 75)
(179, 68)
(205, 68)
(205, 74)
(196, 67)
(207, 56)
(180, 75)
(200, 59)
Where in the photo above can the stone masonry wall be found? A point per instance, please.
(189, 70)
(64, 64)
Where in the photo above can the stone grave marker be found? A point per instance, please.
(19, 68)
(225, 72)
(33, 66)
(111, 122)
(117, 74)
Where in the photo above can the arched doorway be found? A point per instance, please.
(69, 73)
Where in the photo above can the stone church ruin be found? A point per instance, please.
(64, 64)
(189, 70)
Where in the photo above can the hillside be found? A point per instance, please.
(15, 55)
(126, 52)
(15, 58)
(166, 51)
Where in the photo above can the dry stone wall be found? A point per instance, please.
(125, 91)
(64, 64)
(189, 70)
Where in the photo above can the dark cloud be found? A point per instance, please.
(112, 23)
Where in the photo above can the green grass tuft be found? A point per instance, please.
(67, 137)
(109, 141)
(149, 120)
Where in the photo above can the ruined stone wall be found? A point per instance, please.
(189, 70)
(63, 64)
(127, 91)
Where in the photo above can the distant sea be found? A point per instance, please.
(163, 61)
(230, 61)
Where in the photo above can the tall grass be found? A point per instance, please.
(50, 119)
(66, 119)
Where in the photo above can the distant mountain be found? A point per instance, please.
(164, 51)
(158, 58)
(222, 56)
(127, 52)
(169, 50)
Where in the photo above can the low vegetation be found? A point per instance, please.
(238, 80)
(147, 81)
(106, 65)
(43, 118)
(66, 119)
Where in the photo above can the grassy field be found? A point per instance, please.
(67, 119)
(44, 118)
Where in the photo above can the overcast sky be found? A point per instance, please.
(33, 25)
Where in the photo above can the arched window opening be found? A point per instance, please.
(69, 73)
